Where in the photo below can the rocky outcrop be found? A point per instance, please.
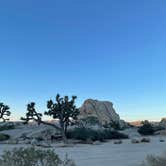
(103, 110)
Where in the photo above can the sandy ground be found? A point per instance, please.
(107, 154)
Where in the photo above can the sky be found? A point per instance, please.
(111, 50)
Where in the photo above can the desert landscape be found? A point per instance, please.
(123, 143)
(83, 83)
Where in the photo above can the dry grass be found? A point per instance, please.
(155, 160)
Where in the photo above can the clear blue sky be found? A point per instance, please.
(108, 50)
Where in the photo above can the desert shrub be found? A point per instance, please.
(113, 125)
(68, 162)
(88, 121)
(155, 161)
(108, 134)
(145, 140)
(84, 134)
(158, 128)
(4, 137)
(100, 135)
(146, 129)
(32, 157)
(91, 120)
(7, 126)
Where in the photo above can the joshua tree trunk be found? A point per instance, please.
(64, 136)
(65, 129)
(63, 132)
(61, 129)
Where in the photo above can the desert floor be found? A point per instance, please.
(107, 154)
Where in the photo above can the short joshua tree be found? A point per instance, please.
(63, 110)
(4, 112)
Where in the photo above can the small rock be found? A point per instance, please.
(145, 140)
(162, 140)
(89, 141)
(135, 141)
(97, 143)
(44, 145)
(118, 142)
(12, 142)
(34, 142)
(161, 132)
(63, 145)
(23, 137)
(24, 142)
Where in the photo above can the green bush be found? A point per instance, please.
(88, 121)
(155, 161)
(91, 120)
(113, 125)
(114, 135)
(6, 127)
(94, 135)
(32, 157)
(83, 134)
(158, 128)
(4, 137)
(146, 129)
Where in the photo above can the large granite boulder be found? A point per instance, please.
(103, 110)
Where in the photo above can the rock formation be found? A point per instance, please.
(103, 110)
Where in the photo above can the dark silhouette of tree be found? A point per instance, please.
(63, 110)
(4, 112)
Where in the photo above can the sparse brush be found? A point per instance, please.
(4, 137)
(7, 127)
(146, 128)
(95, 135)
(155, 160)
(33, 157)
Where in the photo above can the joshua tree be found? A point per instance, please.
(4, 112)
(64, 110)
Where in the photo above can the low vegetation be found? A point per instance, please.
(146, 128)
(158, 128)
(4, 137)
(33, 157)
(7, 127)
(113, 125)
(94, 135)
(88, 121)
(155, 161)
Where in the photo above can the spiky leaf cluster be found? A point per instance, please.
(63, 109)
(32, 114)
(4, 112)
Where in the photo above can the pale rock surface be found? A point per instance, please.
(103, 110)
(135, 140)
(29, 132)
(131, 132)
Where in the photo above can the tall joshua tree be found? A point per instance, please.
(63, 109)
(4, 112)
